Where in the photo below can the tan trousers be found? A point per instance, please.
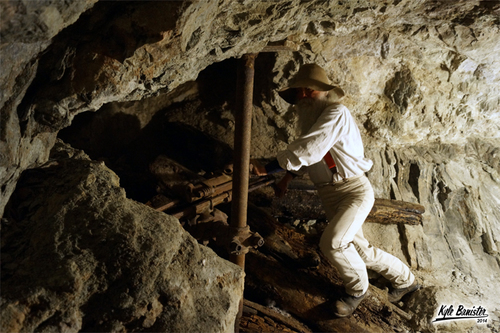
(347, 205)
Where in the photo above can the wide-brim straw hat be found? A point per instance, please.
(309, 76)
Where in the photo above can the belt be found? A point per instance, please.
(342, 181)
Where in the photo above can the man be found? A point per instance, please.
(332, 152)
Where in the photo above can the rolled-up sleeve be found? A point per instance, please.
(312, 147)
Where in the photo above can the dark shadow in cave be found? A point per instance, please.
(217, 83)
(194, 149)
(413, 179)
(263, 78)
(117, 138)
(103, 136)
(186, 145)
(128, 150)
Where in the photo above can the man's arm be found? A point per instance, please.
(261, 170)
(312, 147)
(281, 187)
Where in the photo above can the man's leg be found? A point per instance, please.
(341, 252)
(389, 266)
(392, 268)
(346, 206)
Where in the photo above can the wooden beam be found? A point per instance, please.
(304, 204)
(259, 318)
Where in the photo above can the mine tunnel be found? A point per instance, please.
(121, 146)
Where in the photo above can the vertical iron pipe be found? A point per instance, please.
(242, 138)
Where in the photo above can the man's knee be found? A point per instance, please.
(335, 244)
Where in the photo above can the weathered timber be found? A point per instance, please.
(259, 318)
(274, 274)
(396, 211)
(304, 204)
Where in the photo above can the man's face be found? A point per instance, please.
(310, 104)
(306, 93)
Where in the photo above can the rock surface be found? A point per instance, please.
(77, 255)
(422, 79)
(413, 70)
(26, 30)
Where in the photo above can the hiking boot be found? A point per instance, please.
(346, 305)
(396, 294)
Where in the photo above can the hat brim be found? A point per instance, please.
(289, 94)
(311, 84)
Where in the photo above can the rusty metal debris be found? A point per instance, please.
(196, 209)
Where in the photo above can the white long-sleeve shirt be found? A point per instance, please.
(335, 131)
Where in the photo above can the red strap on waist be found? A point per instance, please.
(329, 160)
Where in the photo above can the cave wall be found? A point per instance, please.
(440, 50)
(421, 78)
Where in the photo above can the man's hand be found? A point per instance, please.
(257, 169)
(281, 187)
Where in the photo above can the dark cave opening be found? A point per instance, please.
(118, 134)
(114, 134)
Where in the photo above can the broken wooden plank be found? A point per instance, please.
(395, 211)
(278, 319)
(304, 204)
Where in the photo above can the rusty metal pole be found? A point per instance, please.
(242, 135)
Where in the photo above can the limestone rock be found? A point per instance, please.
(421, 79)
(26, 30)
(77, 255)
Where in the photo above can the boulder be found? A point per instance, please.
(77, 255)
